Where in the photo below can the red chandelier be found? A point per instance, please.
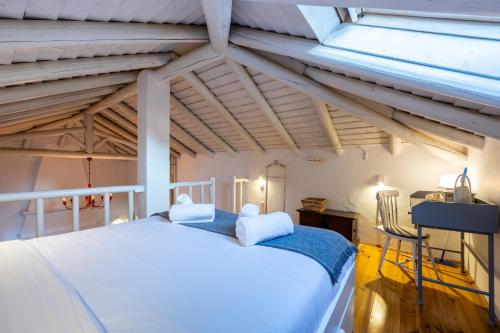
(90, 201)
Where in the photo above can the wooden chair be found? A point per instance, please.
(387, 210)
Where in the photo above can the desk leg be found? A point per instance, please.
(419, 265)
(491, 276)
(462, 252)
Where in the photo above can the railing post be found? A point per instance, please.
(234, 194)
(191, 191)
(212, 190)
(106, 208)
(130, 206)
(202, 194)
(76, 213)
(40, 216)
(176, 193)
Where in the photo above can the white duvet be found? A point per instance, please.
(157, 277)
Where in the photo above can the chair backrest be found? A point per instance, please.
(387, 208)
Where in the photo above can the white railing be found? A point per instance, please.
(40, 196)
(203, 185)
(238, 183)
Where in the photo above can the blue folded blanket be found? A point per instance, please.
(327, 247)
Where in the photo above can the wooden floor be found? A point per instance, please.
(388, 302)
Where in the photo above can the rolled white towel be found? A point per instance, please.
(249, 210)
(184, 199)
(192, 213)
(253, 230)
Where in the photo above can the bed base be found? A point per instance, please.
(339, 317)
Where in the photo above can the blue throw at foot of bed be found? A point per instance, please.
(327, 247)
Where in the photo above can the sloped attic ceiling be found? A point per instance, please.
(50, 82)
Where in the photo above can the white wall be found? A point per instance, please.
(486, 165)
(31, 173)
(347, 181)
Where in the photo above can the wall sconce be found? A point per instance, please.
(381, 180)
(261, 183)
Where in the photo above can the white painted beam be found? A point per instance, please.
(114, 127)
(328, 127)
(16, 34)
(218, 17)
(200, 124)
(395, 144)
(476, 7)
(316, 90)
(113, 138)
(33, 123)
(53, 100)
(57, 87)
(197, 58)
(209, 96)
(119, 120)
(118, 96)
(181, 147)
(52, 70)
(64, 154)
(123, 108)
(195, 143)
(262, 103)
(38, 134)
(482, 90)
(470, 120)
(153, 165)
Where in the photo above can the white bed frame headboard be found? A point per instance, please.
(238, 184)
(40, 196)
(203, 185)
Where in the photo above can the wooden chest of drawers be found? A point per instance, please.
(345, 223)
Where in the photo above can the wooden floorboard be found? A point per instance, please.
(387, 302)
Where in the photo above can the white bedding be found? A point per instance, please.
(159, 277)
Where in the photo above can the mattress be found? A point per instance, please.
(152, 276)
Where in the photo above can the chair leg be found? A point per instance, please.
(431, 258)
(398, 251)
(386, 246)
(415, 262)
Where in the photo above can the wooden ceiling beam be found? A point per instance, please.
(181, 147)
(53, 70)
(197, 58)
(115, 128)
(64, 154)
(118, 96)
(39, 122)
(119, 120)
(34, 115)
(38, 134)
(218, 18)
(57, 87)
(477, 7)
(328, 127)
(113, 138)
(45, 33)
(470, 120)
(482, 90)
(195, 143)
(316, 90)
(51, 101)
(209, 96)
(395, 145)
(124, 108)
(182, 109)
(254, 91)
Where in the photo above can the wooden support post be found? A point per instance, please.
(40, 218)
(153, 167)
(76, 213)
(88, 120)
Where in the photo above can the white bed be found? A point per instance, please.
(152, 276)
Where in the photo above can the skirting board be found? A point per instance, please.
(340, 313)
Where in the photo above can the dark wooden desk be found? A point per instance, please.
(345, 223)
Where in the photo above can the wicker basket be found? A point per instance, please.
(314, 204)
